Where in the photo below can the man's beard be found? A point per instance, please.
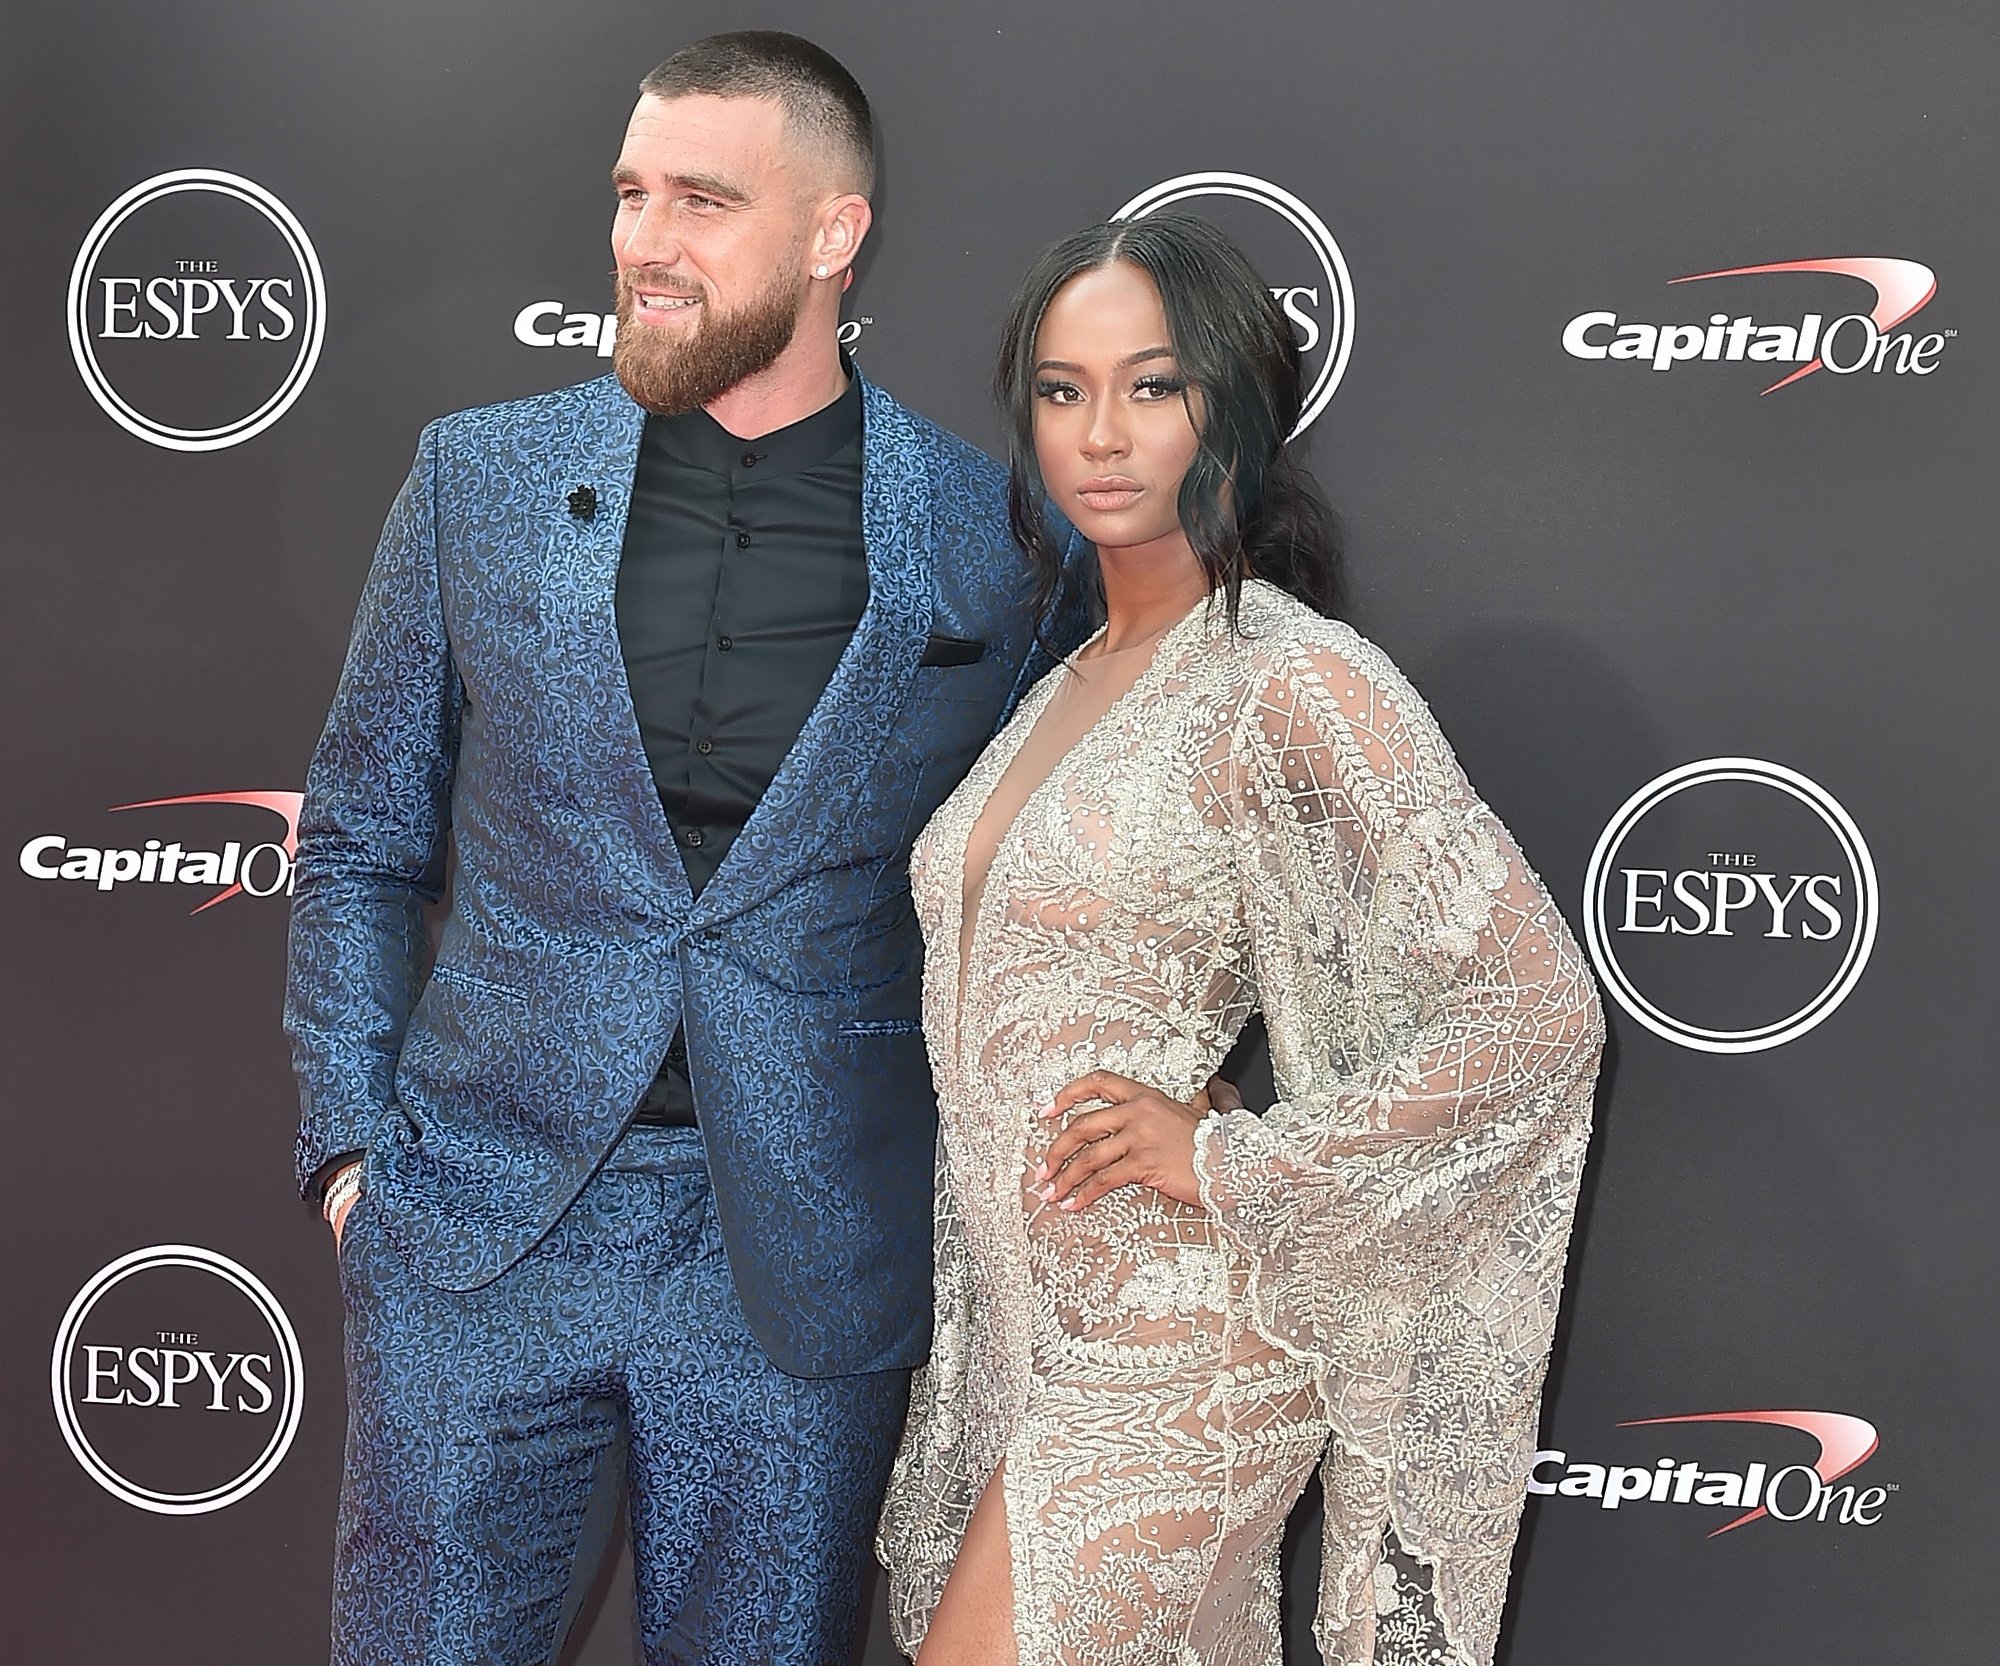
(671, 373)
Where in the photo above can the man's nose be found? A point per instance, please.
(649, 240)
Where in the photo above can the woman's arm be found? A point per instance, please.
(1434, 1029)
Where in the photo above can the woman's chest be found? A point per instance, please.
(1120, 836)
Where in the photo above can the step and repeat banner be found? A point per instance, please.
(1650, 369)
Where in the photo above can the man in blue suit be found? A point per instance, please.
(656, 677)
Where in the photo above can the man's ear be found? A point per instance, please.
(843, 223)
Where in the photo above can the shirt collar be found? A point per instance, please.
(696, 437)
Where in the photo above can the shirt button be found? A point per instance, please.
(704, 746)
(693, 835)
(743, 540)
(725, 643)
(749, 459)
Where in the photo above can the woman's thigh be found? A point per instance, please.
(1148, 1519)
(974, 1621)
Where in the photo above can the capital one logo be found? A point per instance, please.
(238, 867)
(554, 324)
(1291, 246)
(197, 309)
(1730, 905)
(1783, 1491)
(177, 1379)
(1860, 342)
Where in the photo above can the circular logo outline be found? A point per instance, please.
(1759, 772)
(1302, 219)
(312, 334)
(94, 1465)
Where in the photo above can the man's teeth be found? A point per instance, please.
(662, 302)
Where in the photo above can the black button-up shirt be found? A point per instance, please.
(741, 581)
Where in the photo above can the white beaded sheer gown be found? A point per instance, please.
(1267, 818)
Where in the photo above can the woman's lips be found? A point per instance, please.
(1106, 493)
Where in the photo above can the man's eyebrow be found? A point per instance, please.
(708, 185)
(1141, 357)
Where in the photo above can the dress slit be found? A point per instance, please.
(992, 1496)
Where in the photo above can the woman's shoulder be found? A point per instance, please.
(1284, 646)
(1301, 682)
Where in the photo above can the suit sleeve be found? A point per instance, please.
(373, 837)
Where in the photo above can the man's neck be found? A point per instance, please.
(807, 377)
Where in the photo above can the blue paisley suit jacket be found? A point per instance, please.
(483, 740)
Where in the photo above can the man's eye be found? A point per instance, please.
(695, 200)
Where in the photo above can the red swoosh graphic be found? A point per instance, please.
(1845, 1443)
(1901, 288)
(284, 805)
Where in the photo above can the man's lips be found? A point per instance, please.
(655, 304)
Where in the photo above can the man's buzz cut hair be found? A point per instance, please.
(824, 105)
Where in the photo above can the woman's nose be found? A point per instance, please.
(1105, 436)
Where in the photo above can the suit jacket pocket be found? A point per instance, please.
(882, 1026)
(444, 972)
(942, 650)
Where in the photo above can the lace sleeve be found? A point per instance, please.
(933, 1489)
(1404, 1210)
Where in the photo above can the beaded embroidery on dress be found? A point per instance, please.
(1265, 819)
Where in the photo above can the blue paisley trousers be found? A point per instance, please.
(478, 1422)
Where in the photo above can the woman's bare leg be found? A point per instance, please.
(974, 1622)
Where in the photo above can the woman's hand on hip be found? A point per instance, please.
(1138, 1137)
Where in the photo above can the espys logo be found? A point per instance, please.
(259, 870)
(1854, 343)
(1792, 1492)
(196, 310)
(552, 324)
(1730, 905)
(1285, 240)
(177, 1379)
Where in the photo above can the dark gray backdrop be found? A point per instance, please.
(1596, 571)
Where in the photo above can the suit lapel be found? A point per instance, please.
(603, 455)
(832, 763)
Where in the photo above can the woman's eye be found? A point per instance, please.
(1159, 387)
(1060, 393)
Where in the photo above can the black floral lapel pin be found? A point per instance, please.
(583, 503)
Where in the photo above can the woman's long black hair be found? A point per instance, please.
(1246, 507)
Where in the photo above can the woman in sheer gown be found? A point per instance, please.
(1153, 1324)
